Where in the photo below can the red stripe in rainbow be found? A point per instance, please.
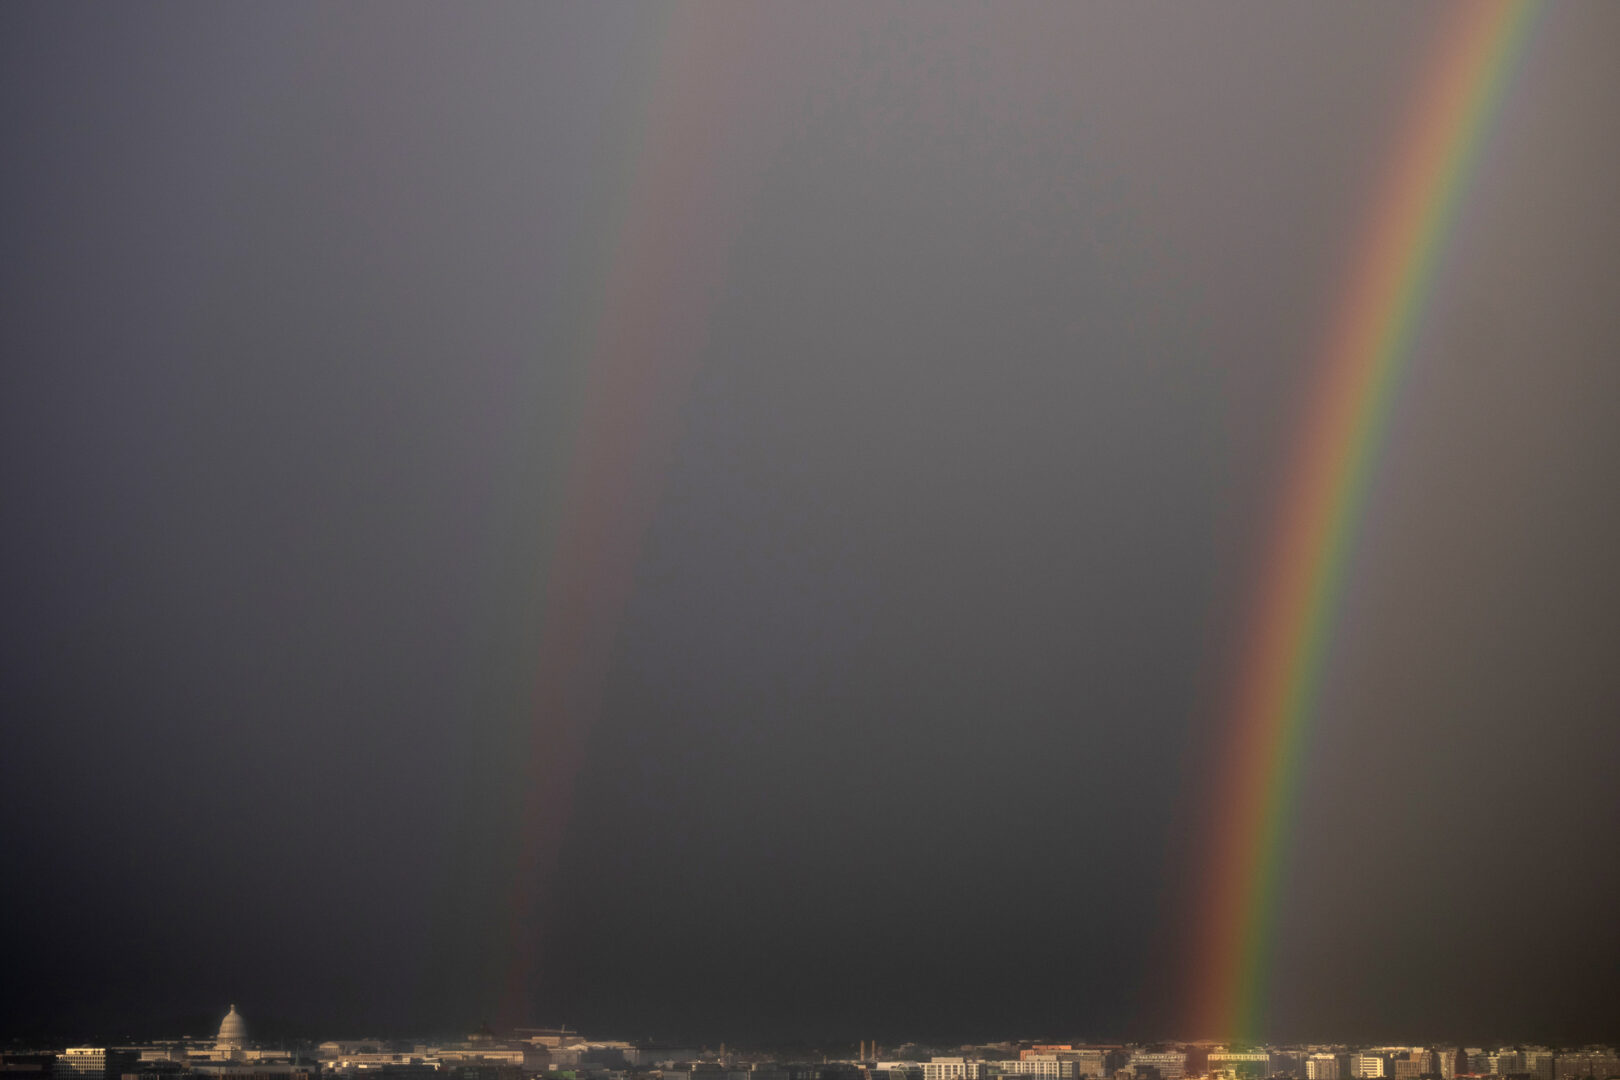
(1368, 347)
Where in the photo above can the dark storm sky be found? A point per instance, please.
(904, 724)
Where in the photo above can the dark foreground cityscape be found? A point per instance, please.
(524, 1053)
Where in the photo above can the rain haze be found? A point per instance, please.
(736, 521)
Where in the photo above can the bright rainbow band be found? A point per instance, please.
(1367, 352)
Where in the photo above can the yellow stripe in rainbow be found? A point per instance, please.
(1367, 350)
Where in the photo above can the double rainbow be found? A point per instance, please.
(1368, 349)
(668, 259)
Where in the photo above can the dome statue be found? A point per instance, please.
(232, 1031)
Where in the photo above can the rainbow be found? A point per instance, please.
(1368, 348)
(676, 212)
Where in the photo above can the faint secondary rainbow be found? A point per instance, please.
(1367, 350)
(678, 211)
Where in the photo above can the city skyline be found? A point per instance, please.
(237, 1037)
(237, 1041)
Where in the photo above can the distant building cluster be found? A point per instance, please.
(560, 1054)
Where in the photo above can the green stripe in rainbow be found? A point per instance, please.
(1367, 352)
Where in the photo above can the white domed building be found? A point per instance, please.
(232, 1032)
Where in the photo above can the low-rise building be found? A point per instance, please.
(1365, 1066)
(1044, 1066)
(1322, 1067)
(1165, 1064)
(1247, 1064)
(952, 1068)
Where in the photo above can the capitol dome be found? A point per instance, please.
(232, 1031)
